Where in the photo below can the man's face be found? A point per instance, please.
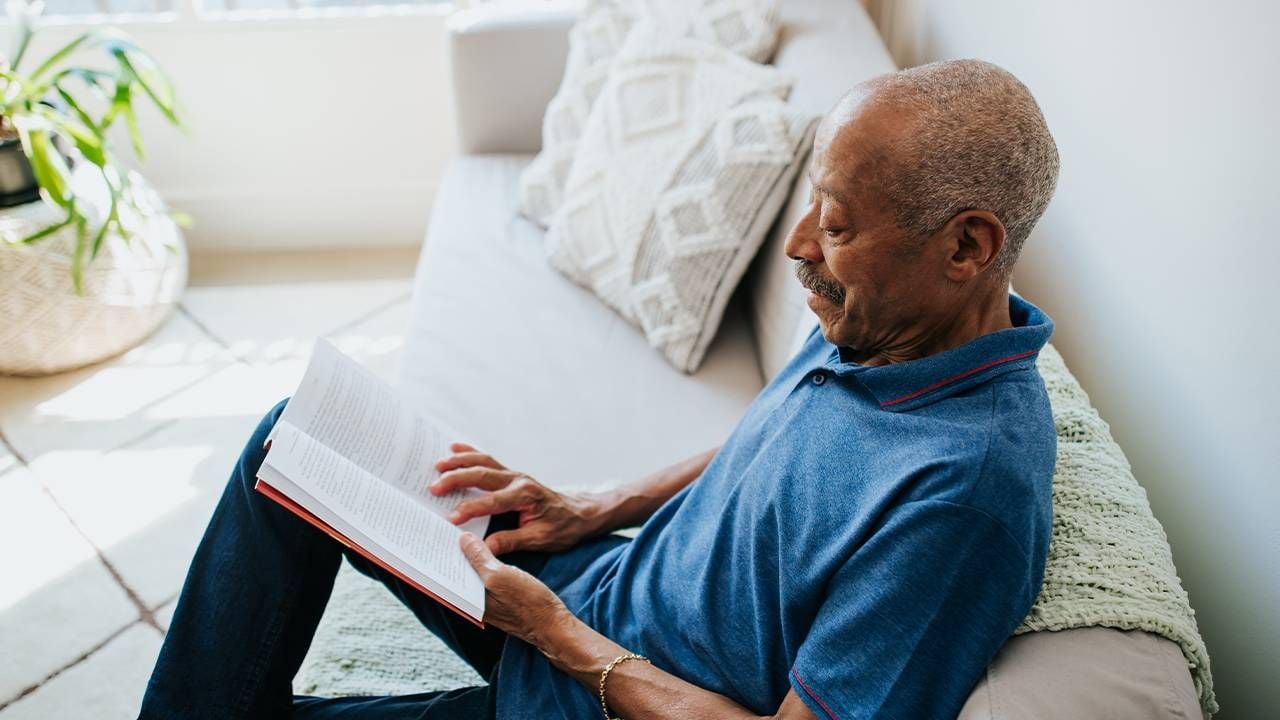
(872, 287)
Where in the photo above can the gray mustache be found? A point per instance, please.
(812, 280)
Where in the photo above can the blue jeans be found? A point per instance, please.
(255, 592)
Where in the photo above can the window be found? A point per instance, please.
(74, 8)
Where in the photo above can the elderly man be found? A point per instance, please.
(869, 535)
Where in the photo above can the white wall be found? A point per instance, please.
(1158, 260)
(321, 131)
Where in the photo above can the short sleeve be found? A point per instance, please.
(914, 616)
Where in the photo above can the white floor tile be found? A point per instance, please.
(146, 505)
(164, 614)
(56, 600)
(107, 685)
(136, 452)
(7, 461)
(264, 323)
(249, 390)
(239, 390)
(378, 342)
(107, 404)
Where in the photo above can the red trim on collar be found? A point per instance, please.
(954, 378)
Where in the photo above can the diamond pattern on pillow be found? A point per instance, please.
(690, 221)
(746, 27)
(683, 166)
(645, 100)
(662, 315)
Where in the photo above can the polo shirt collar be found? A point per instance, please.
(915, 383)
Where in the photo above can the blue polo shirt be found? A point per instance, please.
(867, 536)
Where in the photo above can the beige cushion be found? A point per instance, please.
(827, 47)
(538, 371)
(685, 161)
(745, 27)
(1090, 673)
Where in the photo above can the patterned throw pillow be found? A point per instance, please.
(682, 168)
(747, 27)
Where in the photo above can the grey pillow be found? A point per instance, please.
(1092, 673)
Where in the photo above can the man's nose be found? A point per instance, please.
(803, 243)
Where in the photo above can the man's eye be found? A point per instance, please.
(832, 232)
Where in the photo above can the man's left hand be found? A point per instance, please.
(515, 601)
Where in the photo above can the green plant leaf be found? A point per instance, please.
(25, 105)
(97, 240)
(152, 81)
(50, 169)
(65, 50)
(181, 219)
(24, 28)
(74, 104)
(86, 138)
(45, 232)
(91, 77)
(135, 135)
(112, 215)
(77, 255)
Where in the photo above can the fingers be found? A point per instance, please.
(505, 541)
(484, 478)
(499, 501)
(461, 447)
(467, 458)
(477, 553)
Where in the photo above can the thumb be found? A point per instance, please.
(477, 553)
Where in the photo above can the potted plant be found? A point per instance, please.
(91, 260)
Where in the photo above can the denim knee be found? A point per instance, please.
(254, 451)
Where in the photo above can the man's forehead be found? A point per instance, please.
(852, 144)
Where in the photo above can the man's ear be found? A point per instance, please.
(976, 238)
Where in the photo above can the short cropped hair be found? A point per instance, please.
(978, 141)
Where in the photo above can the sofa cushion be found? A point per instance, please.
(537, 371)
(1095, 672)
(827, 47)
(685, 161)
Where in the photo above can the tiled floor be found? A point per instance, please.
(108, 474)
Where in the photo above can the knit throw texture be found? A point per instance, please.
(1109, 561)
(1109, 565)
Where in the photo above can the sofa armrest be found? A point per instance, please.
(505, 64)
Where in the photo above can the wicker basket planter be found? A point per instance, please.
(129, 289)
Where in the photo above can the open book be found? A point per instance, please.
(351, 458)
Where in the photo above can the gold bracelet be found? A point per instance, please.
(604, 676)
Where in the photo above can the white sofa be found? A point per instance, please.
(540, 373)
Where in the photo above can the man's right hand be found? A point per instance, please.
(549, 520)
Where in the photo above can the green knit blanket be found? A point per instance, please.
(1109, 560)
(1109, 565)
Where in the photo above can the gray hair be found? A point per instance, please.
(977, 142)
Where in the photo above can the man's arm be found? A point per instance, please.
(638, 689)
(551, 520)
(632, 504)
(520, 604)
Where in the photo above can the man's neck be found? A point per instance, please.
(978, 315)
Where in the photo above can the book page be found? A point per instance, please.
(410, 531)
(361, 417)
